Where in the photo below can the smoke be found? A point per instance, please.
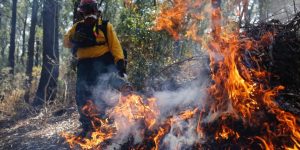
(182, 135)
(106, 96)
(190, 95)
(186, 96)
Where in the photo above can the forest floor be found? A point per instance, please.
(39, 132)
(42, 131)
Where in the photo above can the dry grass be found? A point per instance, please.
(12, 102)
(12, 92)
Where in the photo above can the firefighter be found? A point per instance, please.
(98, 52)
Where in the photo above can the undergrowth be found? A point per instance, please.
(12, 91)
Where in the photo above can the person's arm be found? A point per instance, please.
(68, 35)
(114, 44)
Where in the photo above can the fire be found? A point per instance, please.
(240, 111)
(102, 130)
(173, 16)
(125, 114)
(132, 108)
(171, 19)
(158, 137)
(225, 133)
(239, 93)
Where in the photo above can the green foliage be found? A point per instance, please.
(111, 10)
(148, 51)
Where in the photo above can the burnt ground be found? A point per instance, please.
(41, 131)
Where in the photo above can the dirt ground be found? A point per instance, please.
(40, 132)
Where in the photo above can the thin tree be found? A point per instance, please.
(56, 37)
(0, 19)
(12, 46)
(48, 82)
(24, 34)
(30, 52)
(1, 36)
(262, 10)
(37, 53)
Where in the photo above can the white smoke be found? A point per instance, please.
(189, 95)
(181, 135)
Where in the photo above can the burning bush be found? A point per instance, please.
(239, 111)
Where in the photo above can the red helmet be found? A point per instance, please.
(88, 6)
(84, 2)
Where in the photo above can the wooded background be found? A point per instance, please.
(35, 67)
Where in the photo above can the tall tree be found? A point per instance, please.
(0, 18)
(56, 37)
(30, 52)
(262, 10)
(48, 82)
(12, 47)
(37, 53)
(1, 36)
(24, 33)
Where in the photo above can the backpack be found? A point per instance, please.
(90, 38)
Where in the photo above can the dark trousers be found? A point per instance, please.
(90, 72)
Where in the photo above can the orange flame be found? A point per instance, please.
(101, 132)
(170, 19)
(235, 90)
(161, 133)
(225, 133)
(132, 108)
(239, 93)
(125, 114)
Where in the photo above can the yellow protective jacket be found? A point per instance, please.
(113, 45)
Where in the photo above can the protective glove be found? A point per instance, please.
(121, 68)
(73, 63)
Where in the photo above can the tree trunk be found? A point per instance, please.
(30, 52)
(56, 36)
(246, 11)
(262, 10)
(2, 49)
(24, 36)
(37, 53)
(48, 82)
(295, 7)
(12, 47)
(0, 19)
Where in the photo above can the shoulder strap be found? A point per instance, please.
(78, 25)
(103, 28)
